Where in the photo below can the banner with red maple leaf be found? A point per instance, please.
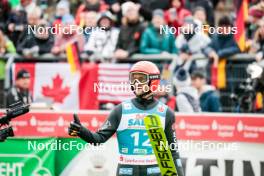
(55, 84)
(57, 92)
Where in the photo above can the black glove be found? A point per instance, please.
(6, 132)
(75, 126)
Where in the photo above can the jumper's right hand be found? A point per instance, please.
(75, 126)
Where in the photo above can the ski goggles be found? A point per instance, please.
(141, 77)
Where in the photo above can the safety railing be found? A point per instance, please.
(236, 68)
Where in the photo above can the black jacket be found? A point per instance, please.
(129, 37)
(14, 95)
(30, 41)
(20, 20)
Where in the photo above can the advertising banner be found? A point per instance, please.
(209, 145)
(17, 160)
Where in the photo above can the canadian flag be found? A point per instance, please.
(55, 83)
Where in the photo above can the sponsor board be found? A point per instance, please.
(211, 127)
(244, 133)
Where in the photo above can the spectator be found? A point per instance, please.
(155, 42)
(189, 42)
(67, 36)
(218, 4)
(89, 5)
(20, 91)
(206, 4)
(141, 10)
(102, 42)
(4, 12)
(130, 32)
(223, 43)
(28, 5)
(256, 13)
(199, 15)
(6, 46)
(165, 95)
(258, 42)
(175, 16)
(116, 9)
(62, 8)
(90, 23)
(209, 97)
(33, 19)
(196, 41)
(36, 43)
(16, 23)
(187, 98)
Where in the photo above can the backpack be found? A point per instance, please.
(194, 103)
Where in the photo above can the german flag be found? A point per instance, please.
(241, 16)
(259, 101)
(218, 74)
(73, 56)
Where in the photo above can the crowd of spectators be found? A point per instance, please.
(131, 27)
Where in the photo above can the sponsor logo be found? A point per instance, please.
(154, 76)
(127, 106)
(161, 108)
(121, 158)
(140, 116)
(153, 170)
(126, 171)
(135, 122)
(140, 151)
(124, 150)
(106, 125)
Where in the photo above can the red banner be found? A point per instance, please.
(211, 127)
(222, 127)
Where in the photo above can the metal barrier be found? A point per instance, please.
(236, 68)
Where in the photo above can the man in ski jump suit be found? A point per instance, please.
(136, 156)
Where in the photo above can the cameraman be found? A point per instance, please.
(15, 110)
(5, 131)
(20, 91)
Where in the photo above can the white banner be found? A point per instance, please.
(199, 158)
